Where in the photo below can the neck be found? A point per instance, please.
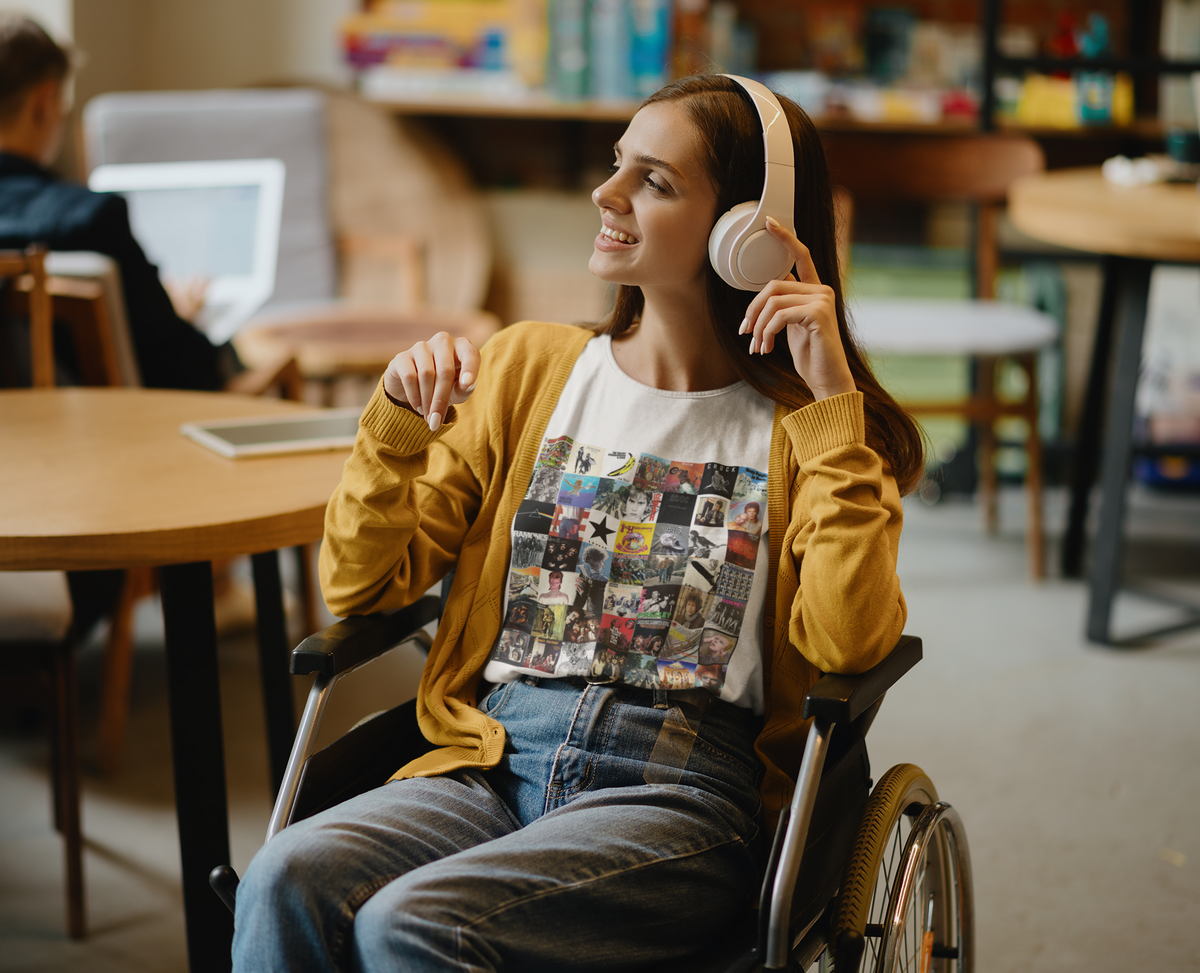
(672, 347)
(17, 142)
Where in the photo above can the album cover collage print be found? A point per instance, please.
(630, 567)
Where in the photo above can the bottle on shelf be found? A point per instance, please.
(612, 68)
(650, 45)
(567, 74)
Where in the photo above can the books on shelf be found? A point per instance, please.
(384, 82)
(606, 50)
(441, 36)
(873, 66)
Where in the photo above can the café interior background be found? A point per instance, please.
(1074, 766)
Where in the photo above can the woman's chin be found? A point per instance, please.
(601, 267)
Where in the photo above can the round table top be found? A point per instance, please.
(1078, 208)
(339, 339)
(103, 478)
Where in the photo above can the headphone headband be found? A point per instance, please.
(741, 250)
(779, 186)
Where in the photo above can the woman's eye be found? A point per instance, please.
(653, 185)
(614, 168)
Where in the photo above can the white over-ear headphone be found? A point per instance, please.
(740, 247)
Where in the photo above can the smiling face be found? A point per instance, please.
(660, 200)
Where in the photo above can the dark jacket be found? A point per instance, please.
(38, 207)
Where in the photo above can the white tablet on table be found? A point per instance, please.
(308, 432)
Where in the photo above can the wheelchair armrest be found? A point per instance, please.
(360, 638)
(838, 698)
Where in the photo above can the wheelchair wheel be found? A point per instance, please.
(905, 905)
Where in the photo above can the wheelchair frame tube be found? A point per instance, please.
(306, 735)
(803, 799)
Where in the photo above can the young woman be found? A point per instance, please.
(574, 819)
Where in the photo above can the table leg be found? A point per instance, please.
(273, 651)
(198, 752)
(1087, 437)
(1104, 576)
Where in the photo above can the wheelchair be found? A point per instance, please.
(859, 878)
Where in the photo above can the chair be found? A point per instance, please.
(976, 169)
(383, 239)
(85, 290)
(39, 628)
(28, 270)
(884, 875)
(360, 186)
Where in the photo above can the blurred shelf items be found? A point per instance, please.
(1054, 64)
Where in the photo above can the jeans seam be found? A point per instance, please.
(355, 902)
(505, 693)
(542, 893)
(458, 951)
(550, 787)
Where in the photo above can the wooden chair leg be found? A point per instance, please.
(67, 768)
(1035, 530)
(56, 773)
(986, 452)
(118, 670)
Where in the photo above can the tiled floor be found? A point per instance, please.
(1073, 766)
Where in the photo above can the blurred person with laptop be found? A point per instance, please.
(37, 206)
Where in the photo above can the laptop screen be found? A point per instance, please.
(200, 231)
(216, 222)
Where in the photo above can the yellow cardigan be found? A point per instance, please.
(413, 504)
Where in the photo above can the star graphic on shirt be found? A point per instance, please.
(601, 530)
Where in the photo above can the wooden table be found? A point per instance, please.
(102, 478)
(1133, 228)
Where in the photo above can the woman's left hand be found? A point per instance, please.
(805, 307)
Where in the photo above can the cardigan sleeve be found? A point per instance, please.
(396, 522)
(842, 541)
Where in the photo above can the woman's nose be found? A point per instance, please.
(608, 195)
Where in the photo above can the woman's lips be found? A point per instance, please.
(609, 238)
(611, 243)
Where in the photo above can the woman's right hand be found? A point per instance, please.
(432, 375)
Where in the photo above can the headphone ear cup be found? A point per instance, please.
(720, 240)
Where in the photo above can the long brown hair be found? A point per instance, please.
(731, 142)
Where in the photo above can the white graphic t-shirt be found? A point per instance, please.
(639, 554)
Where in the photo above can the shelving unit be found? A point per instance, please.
(1139, 64)
(570, 133)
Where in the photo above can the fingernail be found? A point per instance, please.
(435, 421)
(773, 221)
(464, 379)
(471, 387)
(742, 326)
(754, 346)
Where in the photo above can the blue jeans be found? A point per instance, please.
(615, 833)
